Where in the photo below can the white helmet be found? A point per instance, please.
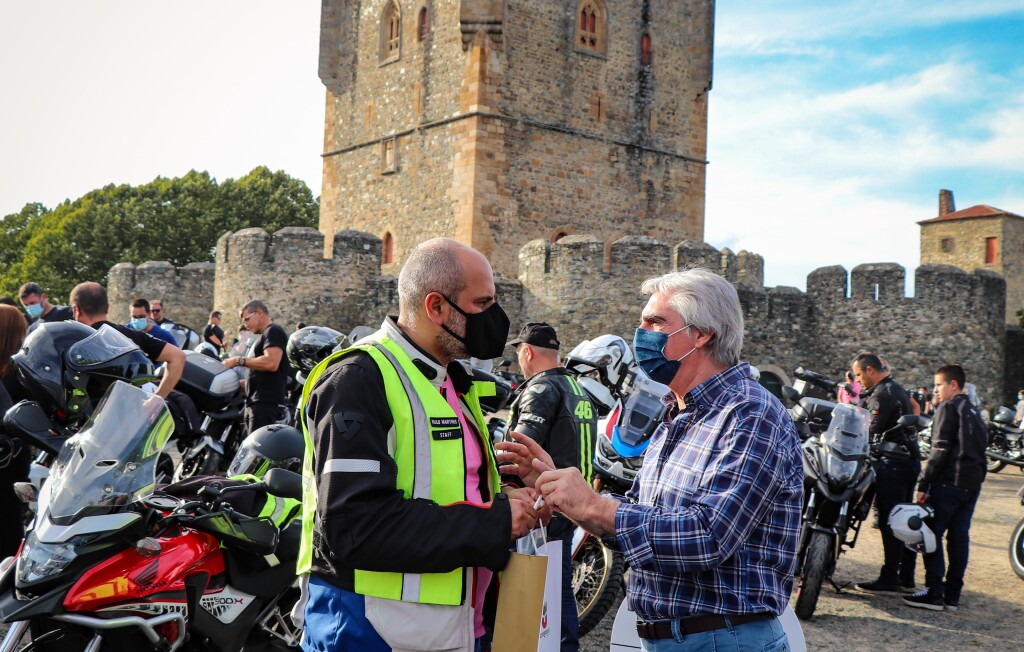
(608, 355)
(907, 521)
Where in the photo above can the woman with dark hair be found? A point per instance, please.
(14, 457)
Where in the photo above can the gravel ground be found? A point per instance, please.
(991, 614)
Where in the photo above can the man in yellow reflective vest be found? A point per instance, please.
(404, 518)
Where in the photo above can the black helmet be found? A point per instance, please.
(308, 346)
(277, 446)
(68, 366)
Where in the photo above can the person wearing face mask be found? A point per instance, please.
(140, 321)
(38, 309)
(404, 519)
(711, 525)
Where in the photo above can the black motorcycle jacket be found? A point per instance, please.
(887, 401)
(959, 439)
(555, 411)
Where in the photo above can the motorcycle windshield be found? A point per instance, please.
(104, 345)
(847, 435)
(113, 459)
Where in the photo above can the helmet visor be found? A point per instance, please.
(248, 461)
(98, 349)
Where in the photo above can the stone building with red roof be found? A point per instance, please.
(979, 237)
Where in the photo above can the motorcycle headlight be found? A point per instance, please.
(840, 472)
(40, 560)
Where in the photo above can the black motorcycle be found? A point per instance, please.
(838, 490)
(1005, 442)
(216, 393)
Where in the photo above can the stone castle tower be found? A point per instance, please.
(497, 122)
(979, 237)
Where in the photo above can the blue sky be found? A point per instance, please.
(832, 124)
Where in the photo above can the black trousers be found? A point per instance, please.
(894, 483)
(258, 415)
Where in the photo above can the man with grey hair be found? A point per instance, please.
(404, 517)
(711, 525)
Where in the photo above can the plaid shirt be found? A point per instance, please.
(712, 523)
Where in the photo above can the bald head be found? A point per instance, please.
(439, 265)
(91, 300)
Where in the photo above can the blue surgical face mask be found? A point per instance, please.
(138, 323)
(34, 310)
(649, 349)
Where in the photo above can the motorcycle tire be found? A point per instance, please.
(995, 466)
(596, 581)
(1017, 549)
(816, 561)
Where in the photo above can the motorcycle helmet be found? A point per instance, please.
(208, 349)
(68, 366)
(186, 338)
(359, 332)
(909, 523)
(1004, 415)
(607, 355)
(277, 446)
(308, 346)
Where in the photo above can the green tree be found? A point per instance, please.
(178, 220)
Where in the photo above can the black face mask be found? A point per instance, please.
(486, 332)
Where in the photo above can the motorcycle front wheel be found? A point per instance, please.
(596, 579)
(816, 560)
(1017, 549)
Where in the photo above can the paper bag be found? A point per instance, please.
(530, 602)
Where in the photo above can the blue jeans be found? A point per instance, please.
(954, 508)
(894, 483)
(336, 621)
(758, 636)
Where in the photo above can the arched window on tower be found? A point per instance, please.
(423, 25)
(388, 253)
(592, 27)
(646, 52)
(390, 33)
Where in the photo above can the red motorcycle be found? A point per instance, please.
(112, 564)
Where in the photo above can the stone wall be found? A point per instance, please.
(187, 292)
(586, 286)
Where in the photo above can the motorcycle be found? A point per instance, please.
(112, 562)
(838, 491)
(216, 392)
(1017, 543)
(1005, 442)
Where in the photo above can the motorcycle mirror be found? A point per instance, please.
(848, 387)
(505, 362)
(26, 492)
(284, 483)
(28, 420)
(790, 394)
(907, 420)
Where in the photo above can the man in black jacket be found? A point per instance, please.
(895, 475)
(555, 411)
(951, 483)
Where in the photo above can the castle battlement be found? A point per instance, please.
(585, 286)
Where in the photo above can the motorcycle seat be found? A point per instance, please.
(225, 415)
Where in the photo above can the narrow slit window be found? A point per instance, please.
(991, 250)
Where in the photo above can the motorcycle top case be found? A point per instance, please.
(208, 382)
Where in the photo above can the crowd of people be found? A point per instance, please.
(396, 445)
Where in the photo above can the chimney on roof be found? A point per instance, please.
(946, 205)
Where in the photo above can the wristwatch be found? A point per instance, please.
(241, 361)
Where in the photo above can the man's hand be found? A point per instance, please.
(517, 458)
(921, 497)
(566, 491)
(529, 496)
(232, 362)
(524, 518)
